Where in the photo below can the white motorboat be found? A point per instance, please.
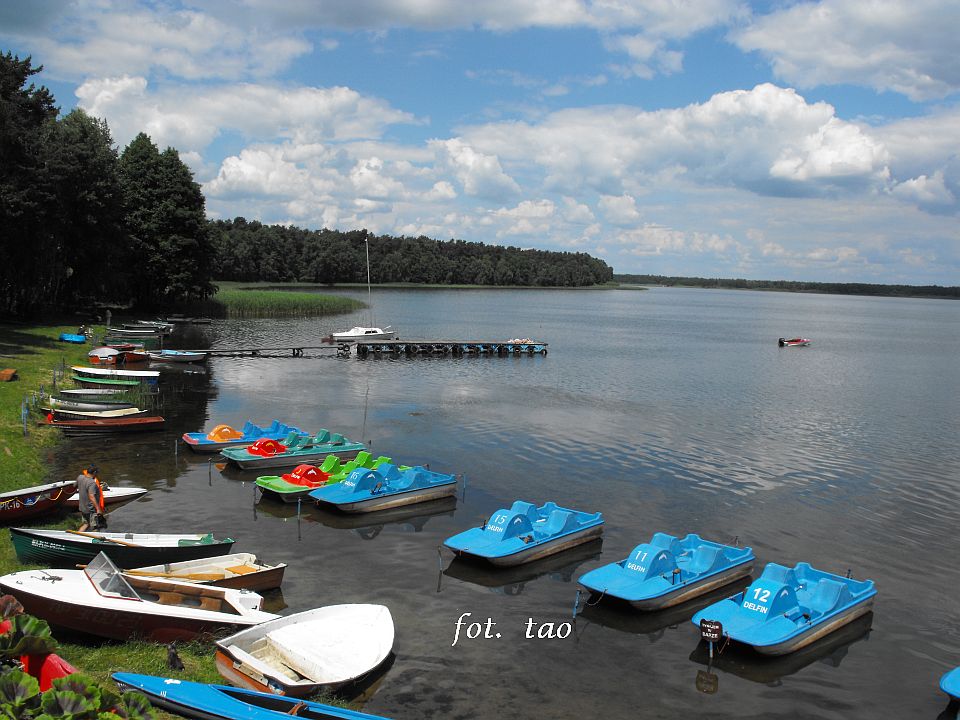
(101, 601)
(359, 334)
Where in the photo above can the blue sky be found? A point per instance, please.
(720, 138)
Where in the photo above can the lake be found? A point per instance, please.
(669, 410)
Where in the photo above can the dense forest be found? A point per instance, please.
(934, 291)
(250, 251)
(81, 222)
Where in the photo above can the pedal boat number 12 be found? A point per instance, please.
(668, 571)
(786, 609)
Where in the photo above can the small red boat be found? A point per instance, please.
(793, 342)
(30, 502)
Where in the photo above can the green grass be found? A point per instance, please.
(35, 352)
(241, 302)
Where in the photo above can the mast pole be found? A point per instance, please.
(366, 245)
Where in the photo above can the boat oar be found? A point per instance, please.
(101, 537)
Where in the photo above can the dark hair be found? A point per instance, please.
(93, 469)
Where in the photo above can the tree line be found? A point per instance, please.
(832, 288)
(248, 250)
(80, 221)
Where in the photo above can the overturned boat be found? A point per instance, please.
(786, 608)
(525, 532)
(387, 486)
(668, 571)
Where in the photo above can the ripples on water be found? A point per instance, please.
(670, 410)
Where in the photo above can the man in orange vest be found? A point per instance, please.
(91, 500)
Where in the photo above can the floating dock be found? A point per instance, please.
(448, 348)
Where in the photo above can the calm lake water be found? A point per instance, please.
(668, 410)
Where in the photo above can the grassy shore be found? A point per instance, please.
(245, 301)
(36, 352)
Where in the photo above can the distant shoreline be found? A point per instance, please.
(937, 292)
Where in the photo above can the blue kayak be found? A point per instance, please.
(221, 702)
(667, 571)
(950, 683)
(72, 338)
(224, 436)
(788, 608)
(385, 486)
(525, 532)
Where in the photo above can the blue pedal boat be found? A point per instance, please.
(668, 571)
(786, 609)
(221, 702)
(224, 436)
(386, 486)
(950, 683)
(525, 532)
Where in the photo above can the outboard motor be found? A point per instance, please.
(781, 342)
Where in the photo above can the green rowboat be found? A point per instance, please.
(63, 548)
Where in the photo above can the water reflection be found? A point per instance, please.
(620, 615)
(512, 580)
(411, 518)
(746, 663)
(951, 711)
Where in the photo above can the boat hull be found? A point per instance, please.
(257, 462)
(266, 578)
(291, 497)
(541, 550)
(816, 631)
(397, 500)
(117, 624)
(217, 702)
(40, 549)
(34, 502)
(687, 592)
(111, 496)
(107, 426)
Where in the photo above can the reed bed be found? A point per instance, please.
(237, 303)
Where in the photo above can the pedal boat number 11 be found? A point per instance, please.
(668, 571)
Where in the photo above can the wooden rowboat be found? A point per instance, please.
(237, 570)
(106, 426)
